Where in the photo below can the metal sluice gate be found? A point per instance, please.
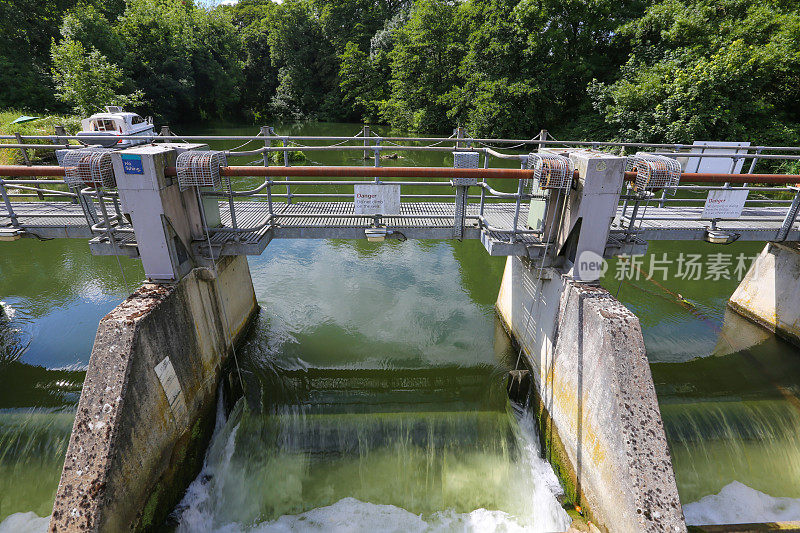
(195, 203)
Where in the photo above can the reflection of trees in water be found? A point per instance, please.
(46, 275)
(24, 385)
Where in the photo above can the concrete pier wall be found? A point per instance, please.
(770, 292)
(595, 400)
(146, 411)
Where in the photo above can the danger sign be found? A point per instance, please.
(377, 199)
(724, 203)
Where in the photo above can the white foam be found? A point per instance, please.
(28, 522)
(737, 503)
(350, 515)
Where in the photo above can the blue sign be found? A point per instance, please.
(132, 164)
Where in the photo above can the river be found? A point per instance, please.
(375, 387)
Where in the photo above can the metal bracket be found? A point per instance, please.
(791, 215)
(460, 212)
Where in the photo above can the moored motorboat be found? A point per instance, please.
(104, 129)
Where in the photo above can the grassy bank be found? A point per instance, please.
(45, 125)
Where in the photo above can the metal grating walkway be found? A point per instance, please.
(683, 223)
(417, 220)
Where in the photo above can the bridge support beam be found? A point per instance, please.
(769, 294)
(594, 397)
(146, 411)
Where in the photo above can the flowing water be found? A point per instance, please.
(728, 390)
(375, 388)
(53, 295)
(375, 395)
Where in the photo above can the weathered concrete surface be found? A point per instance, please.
(599, 413)
(146, 409)
(770, 292)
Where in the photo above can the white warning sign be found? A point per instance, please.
(724, 203)
(377, 199)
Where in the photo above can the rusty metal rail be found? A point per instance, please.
(411, 172)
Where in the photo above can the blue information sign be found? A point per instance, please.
(132, 164)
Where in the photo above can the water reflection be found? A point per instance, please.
(58, 292)
(54, 294)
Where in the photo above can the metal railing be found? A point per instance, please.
(373, 145)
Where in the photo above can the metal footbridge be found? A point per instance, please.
(519, 204)
(417, 220)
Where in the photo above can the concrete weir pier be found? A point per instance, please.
(592, 388)
(594, 398)
(769, 293)
(146, 411)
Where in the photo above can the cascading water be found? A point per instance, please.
(385, 408)
(728, 393)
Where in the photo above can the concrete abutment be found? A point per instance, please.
(147, 406)
(769, 294)
(595, 398)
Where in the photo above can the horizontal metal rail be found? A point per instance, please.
(372, 172)
(412, 172)
(534, 141)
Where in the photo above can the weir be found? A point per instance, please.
(147, 406)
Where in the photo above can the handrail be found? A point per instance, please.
(413, 172)
(372, 172)
(464, 140)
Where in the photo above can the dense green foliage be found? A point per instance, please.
(655, 70)
(709, 69)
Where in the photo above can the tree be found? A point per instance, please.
(87, 80)
(184, 57)
(424, 63)
(27, 28)
(307, 65)
(253, 19)
(698, 69)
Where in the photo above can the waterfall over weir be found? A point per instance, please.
(342, 429)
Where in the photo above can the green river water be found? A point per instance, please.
(375, 388)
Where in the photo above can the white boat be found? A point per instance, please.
(115, 123)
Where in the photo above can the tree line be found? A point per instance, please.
(639, 70)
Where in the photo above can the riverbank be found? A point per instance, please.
(44, 125)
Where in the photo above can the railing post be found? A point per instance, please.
(366, 134)
(377, 156)
(752, 166)
(542, 137)
(460, 134)
(287, 163)
(268, 132)
(232, 207)
(520, 188)
(7, 201)
(27, 160)
(483, 189)
(60, 131)
(109, 232)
